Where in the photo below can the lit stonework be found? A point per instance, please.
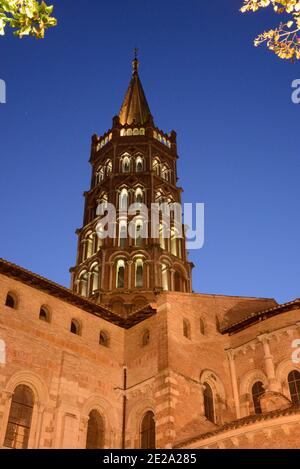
(133, 162)
(146, 362)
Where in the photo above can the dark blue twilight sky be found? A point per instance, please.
(229, 102)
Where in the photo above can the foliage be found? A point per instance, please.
(26, 17)
(284, 40)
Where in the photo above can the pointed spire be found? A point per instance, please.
(135, 107)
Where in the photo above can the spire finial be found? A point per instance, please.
(135, 62)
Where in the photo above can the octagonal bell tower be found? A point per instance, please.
(133, 162)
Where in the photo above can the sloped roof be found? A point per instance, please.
(51, 288)
(234, 325)
(243, 422)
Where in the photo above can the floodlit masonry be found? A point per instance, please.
(130, 356)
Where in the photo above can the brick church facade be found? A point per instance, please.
(130, 357)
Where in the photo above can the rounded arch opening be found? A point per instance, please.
(104, 339)
(294, 386)
(120, 270)
(148, 431)
(75, 327)
(126, 164)
(95, 431)
(11, 300)
(209, 407)
(139, 164)
(145, 338)
(186, 328)
(20, 417)
(257, 391)
(45, 314)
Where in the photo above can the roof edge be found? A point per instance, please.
(236, 424)
(253, 318)
(58, 291)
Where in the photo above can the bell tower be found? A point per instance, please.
(132, 163)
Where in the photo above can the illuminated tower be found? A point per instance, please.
(133, 162)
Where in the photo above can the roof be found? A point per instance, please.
(241, 423)
(51, 288)
(135, 108)
(255, 317)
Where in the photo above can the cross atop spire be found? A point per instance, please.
(135, 107)
(135, 62)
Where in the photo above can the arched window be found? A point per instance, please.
(19, 420)
(10, 301)
(88, 245)
(123, 199)
(173, 242)
(120, 274)
(179, 245)
(146, 338)
(165, 277)
(75, 327)
(156, 166)
(95, 278)
(108, 167)
(138, 234)
(126, 165)
(104, 200)
(139, 273)
(159, 197)
(209, 410)
(161, 237)
(257, 392)
(165, 173)
(202, 326)
(148, 431)
(139, 166)
(138, 196)
(99, 175)
(104, 339)
(83, 284)
(100, 237)
(186, 329)
(44, 315)
(177, 281)
(102, 204)
(95, 431)
(122, 234)
(294, 386)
